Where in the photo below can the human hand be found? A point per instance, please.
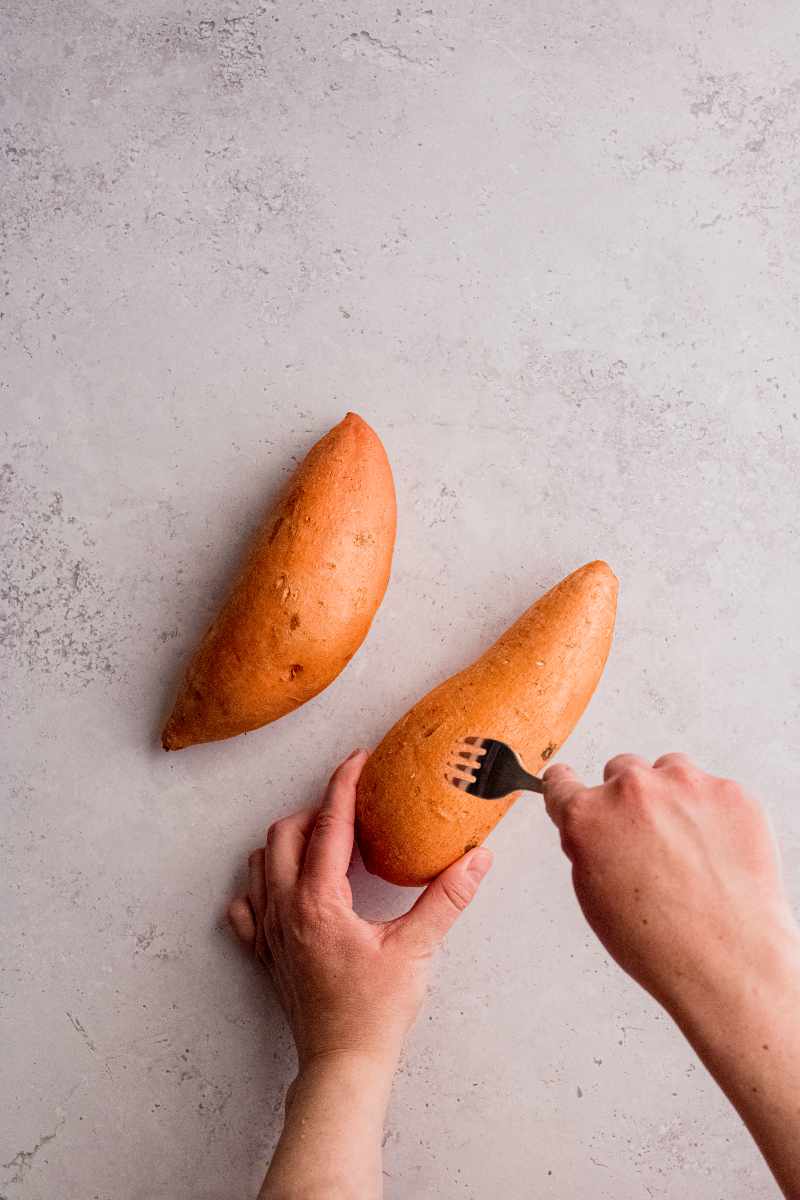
(677, 873)
(347, 985)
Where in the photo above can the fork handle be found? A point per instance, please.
(526, 782)
(508, 774)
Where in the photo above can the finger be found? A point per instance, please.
(623, 762)
(330, 846)
(242, 921)
(444, 900)
(257, 884)
(257, 893)
(561, 785)
(287, 841)
(673, 760)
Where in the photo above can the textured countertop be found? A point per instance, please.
(550, 252)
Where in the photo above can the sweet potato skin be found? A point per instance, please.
(304, 598)
(529, 689)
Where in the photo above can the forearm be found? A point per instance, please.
(747, 1032)
(330, 1148)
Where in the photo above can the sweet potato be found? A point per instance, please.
(304, 598)
(529, 689)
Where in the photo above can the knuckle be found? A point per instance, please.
(619, 763)
(457, 893)
(673, 758)
(327, 822)
(732, 793)
(632, 782)
(282, 825)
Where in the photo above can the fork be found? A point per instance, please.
(490, 769)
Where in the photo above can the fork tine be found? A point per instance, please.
(473, 745)
(465, 762)
(457, 771)
(459, 779)
(471, 752)
(462, 759)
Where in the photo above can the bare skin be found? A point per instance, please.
(351, 989)
(678, 874)
(675, 870)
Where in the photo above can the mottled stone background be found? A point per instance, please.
(551, 252)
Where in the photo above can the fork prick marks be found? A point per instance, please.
(471, 750)
(465, 762)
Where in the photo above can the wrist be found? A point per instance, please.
(762, 976)
(330, 1148)
(370, 1072)
(377, 1049)
(746, 1034)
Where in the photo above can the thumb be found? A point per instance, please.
(445, 898)
(561, 785)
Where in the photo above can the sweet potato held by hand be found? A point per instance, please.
(529, 690)
(304, 598)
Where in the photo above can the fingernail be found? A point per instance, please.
(479, 862)
(354, 753)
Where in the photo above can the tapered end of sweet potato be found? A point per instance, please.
(597, 569)
(177, 734)
(193, 721)
(171, 738)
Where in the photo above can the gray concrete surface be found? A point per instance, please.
(551, 252)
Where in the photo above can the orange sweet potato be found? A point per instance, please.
(304, 598)
(529, 689)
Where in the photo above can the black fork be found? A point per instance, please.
(490, 769)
